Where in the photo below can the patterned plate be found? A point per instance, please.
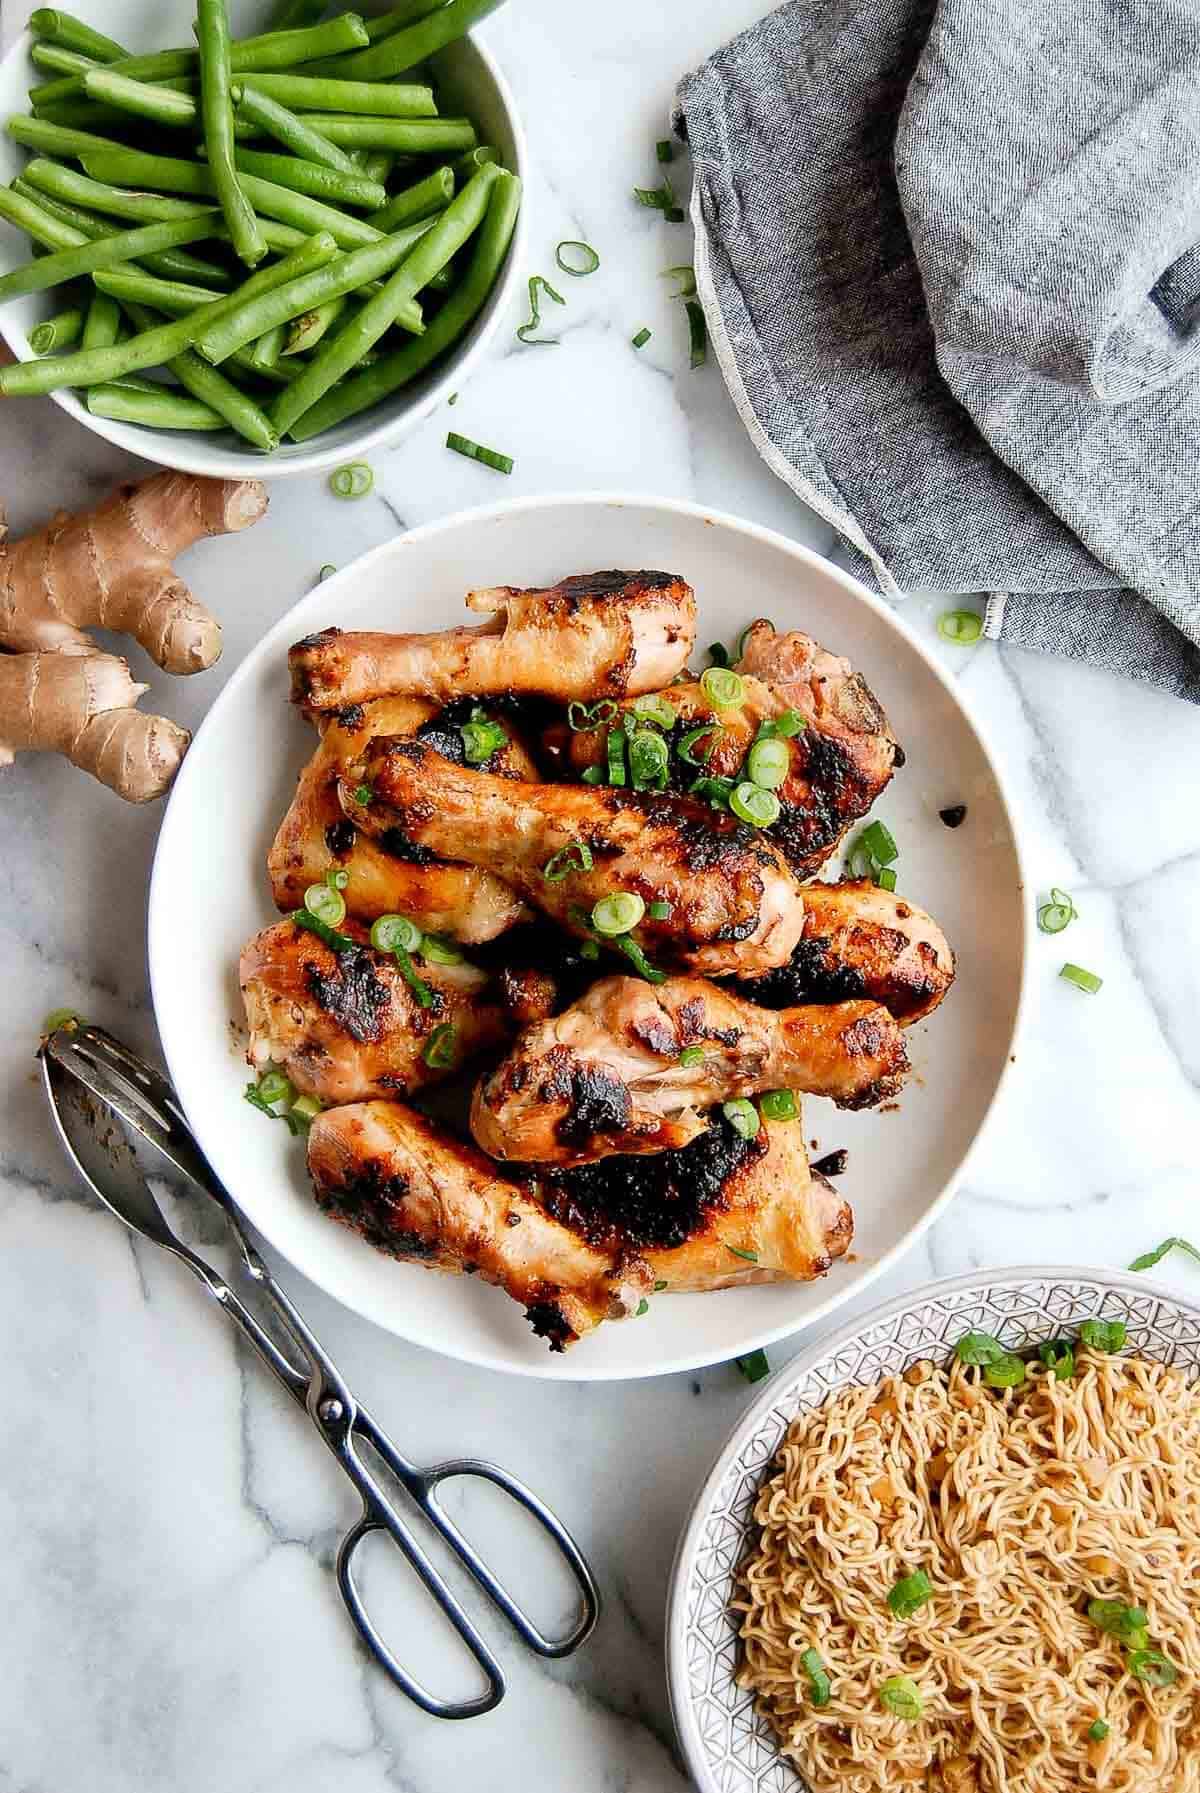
(728, 1747)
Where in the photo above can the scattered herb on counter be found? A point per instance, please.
(352, 481)
(753, 1366)
(643, 1307)
(537, 282)
(326, 572)
(962, 627)
(664, 150)
(642, 338)
(697, 334)
(656, 199)
(474, 451)
(684, 276)
(589, 257)
(1087, 981)
(1058, 913)
(1149, 1259)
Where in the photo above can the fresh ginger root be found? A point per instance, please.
(110, 568)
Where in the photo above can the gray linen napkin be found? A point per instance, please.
(947, 258)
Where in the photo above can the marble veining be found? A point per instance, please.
(170, 1621)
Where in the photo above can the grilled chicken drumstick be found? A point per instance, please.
(315, 835)
(594, 635)
(592, 1243)
(346, 1025)
(734, 906)
(861, 941)
(605, 1075)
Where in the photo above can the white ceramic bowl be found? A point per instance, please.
(728, 1747)
(209, 895)
(472, 84)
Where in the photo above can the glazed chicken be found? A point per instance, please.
(861, 941)
(315, 835)
(346, 1026)
(835, 770)
(594, 635)
(734, 904)
(580, 1246)
(605, 1075)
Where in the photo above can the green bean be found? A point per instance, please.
(407, 136)
(124, 245)
(129, 167)
(37, 222)
(216, 107)
(65, 183)
(276, 121)
(55, 140)
(177, 299)
(422, 200)
(154, 410)
(57, 27)
(175, 264)
(473, 161)
(284, 49)
(385, 24)
(311, 178)
(57, 332)
(244, 322)
(461, 309)
(212, 388)
(143, 98)
(306, 331)
(265, 353)
(102, 322)
(149, 348)
(312, 93)
(444, 237)
(60, 59)
(402, 50)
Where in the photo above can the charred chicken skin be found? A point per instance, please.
(346, 1026)
(577, 1247)
(734, 905)
(594, 635)
(315, 835)
(605, 1075)
(861, 941)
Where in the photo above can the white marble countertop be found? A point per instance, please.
(170, 1619)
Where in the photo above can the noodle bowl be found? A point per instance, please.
(1020, 1507)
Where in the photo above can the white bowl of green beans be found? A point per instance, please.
(254, 244)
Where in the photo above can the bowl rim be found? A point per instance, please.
(161, 943)
(692, 1530)
(177, 451)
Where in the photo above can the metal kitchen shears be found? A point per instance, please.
(82, 1066)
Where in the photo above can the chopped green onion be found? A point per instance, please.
(326, 572)
(416, 983)
(1103, 1335)
(768, 763)
(481, 737)
(879, 842)
(717, 790)
(275, 1087)
(692, 1055)
(1097, 1731)
(901, 1696)
(306, 1109)
(718, 653)
(250, 1094)
(389, 932)
(790, 723)
(664, 150)
(649, 761)
(1152, 1667)
(439, 1050)
(885, 878)
(327, 904)
(1126, 1623)
(674, 214)
(1082, 980)
(655, 708)
(592, 775)
(659, 911)
(582, 718)
(659, 1287)
(753, 1366)
(58, 1018)
(688, 741)
(589, 950)
(642, 338)
(1149, 1259)
(909, 1594)
(751, 1257)
(1058, 913)
(338, 943)
(363, 794)
(577, 857)
(1005, 1372)
(744, 637)
(779, 1105)
(656, 199)
(488, 457)
(337, 878)
(535, 316)
(624, 943)
(685, 275)
(960, 626)
(1058, 1355)
(618, 913)
(743, 1118)
(588, 256)
(751, 803)
(643, 1307)
(437, 950)
(819, 1684)
(723, 688)
(353, 481)
(976, 1348)
(453, 399)
(615, 748)
(697, 334)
